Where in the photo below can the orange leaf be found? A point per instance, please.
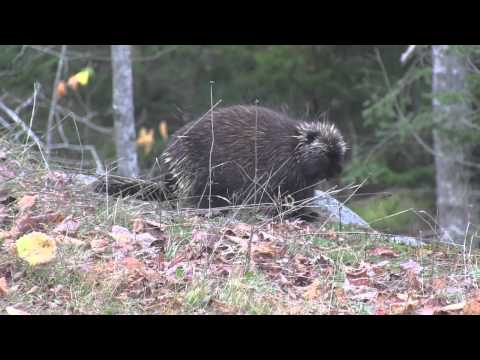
(313, 290)
(62, 89)
(472, 307)
(380, 251)
(73, 83)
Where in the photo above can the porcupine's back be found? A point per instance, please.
(286, 157)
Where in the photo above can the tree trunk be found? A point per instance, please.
(123, 110)
(455, 203)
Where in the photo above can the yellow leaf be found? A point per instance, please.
(163, 128)
(36, 248)
(146, 139)
(84, 76)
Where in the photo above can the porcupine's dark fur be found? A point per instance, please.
(285, 156)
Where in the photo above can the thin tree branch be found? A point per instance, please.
(54, 98)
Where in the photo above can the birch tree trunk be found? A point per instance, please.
(456, 205)
(123, 110)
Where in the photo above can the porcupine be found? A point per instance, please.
(257, 156)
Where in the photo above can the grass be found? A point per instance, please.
(198, 265)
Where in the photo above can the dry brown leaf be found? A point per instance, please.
(6, 173)
(32, 290)
(452, 307)
(472, 307)
(14, 311)
(382, 251)
(27, 222)
(121, 235)
(99, 245)
(439, 283)
(67, 226)
(138, 225)
(26, 202)
(412, 266)
(67, 240)
(223, 307)
(242, 230)
(264, 249)
(427, 310)
(132, 264)
(3, 287)
(313, 291)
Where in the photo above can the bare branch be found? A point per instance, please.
(81, 148)
(54, 98)
(25, 128)
(406, 55)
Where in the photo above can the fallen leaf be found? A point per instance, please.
(138, 225)
(404, 307)
(427, 310)
(145, 239)
(412, 266)
(67, 240)
(264, 249)
(27, 222)
(452, 307)
(36, 248)
(472, 307)
(5, 197)
(6, 172)
(14, 311)
(439, 283)
(313, 291)
(3, 287)
(26, 202)
(121, 235)
(242, 230)
(222, 307)
(67, 226)
(132, 264)
(382, 251)
(99, 245)
(32, 290)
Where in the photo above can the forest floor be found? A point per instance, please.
(119, 256)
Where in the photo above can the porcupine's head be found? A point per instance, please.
(320, 150)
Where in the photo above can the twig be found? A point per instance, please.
(25, 128)
(54, 98)
(91, 148)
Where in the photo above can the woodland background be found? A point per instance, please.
(384, 106)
